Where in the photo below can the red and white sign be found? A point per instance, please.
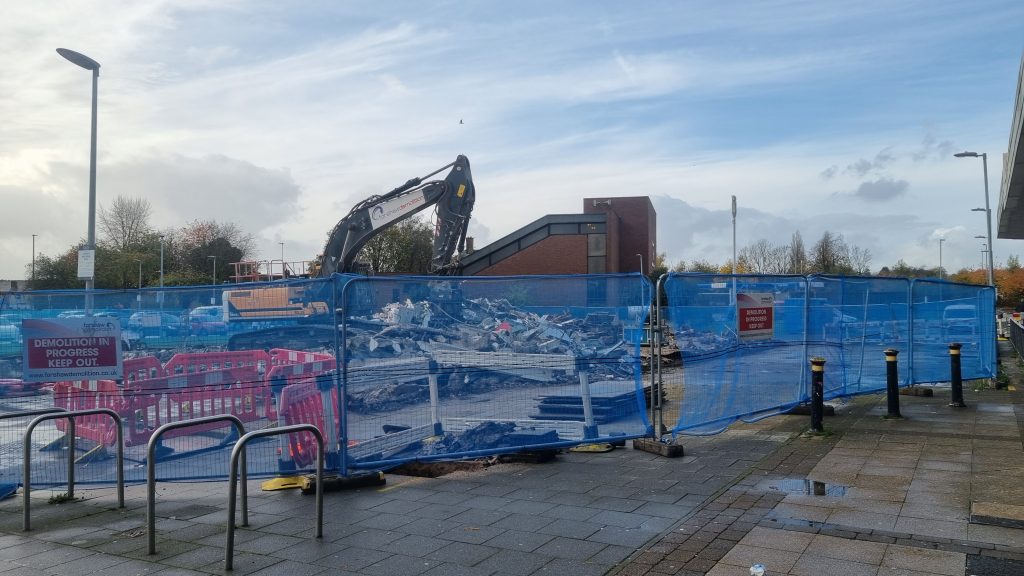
(72, 349)
(755, 315)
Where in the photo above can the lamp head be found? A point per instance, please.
(79, 59)
(966, 154)
(978, 210)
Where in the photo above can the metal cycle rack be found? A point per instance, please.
(239, 450)
(151, 467)
(27, 455)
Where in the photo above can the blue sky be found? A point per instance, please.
(279, 116)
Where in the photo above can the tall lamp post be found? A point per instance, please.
(986, 210)
(89, 64)
(33, 278)
(213, 293)
(214, 258)
(941, 240)
(641, 257)
(161, 262)
(282, 259)
(139, 285)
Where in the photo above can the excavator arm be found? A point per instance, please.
(454, 197)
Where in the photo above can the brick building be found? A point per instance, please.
(606, 238)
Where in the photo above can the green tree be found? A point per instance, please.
(404, 248)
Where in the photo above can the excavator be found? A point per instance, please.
(454, 197)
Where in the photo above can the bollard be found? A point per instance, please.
(955, 381)
(817, 394)
(892, 384)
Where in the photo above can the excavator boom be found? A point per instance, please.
(454, 197)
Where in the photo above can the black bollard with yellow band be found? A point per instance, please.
(817, 394)
(955, 380)
(892, 384)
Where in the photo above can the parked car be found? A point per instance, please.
(9, 331)
(206, 320)
(960, 322)
(149, 323)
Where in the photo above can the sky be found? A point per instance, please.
(279, 116)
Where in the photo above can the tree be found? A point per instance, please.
(197, 243)
(126, 223)
(860, 260)
(830, 255)
(763, 257)
(406, 247)
(57, 273)
(797, 255)
(702, 265)
(1013, 263)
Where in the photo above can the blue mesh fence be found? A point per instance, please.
(454, 367)
(945, 312)
(434, 367)
(734, 372)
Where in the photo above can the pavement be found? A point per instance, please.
(939, 491)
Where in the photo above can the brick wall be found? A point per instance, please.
(562, 254)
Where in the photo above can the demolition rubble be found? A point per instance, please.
(484, 345)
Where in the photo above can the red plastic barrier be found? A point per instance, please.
(155, 402)
(282, 356)
(87, 395)
(293, 373)
(206, 361)
(142, 368)
(301, 403)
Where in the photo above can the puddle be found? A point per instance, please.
(805, 486)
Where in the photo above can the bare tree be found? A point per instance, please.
(797, 255)
(763, 257)
(126, 223)
(860, 260)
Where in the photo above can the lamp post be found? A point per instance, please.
(986, 210)
(161, 261)
(33, 278)
(641, 257)
(941, 240)
(139, 285)
(282, 259)
(89, 64)
(984, 250)
(213, 293)
(734, 235)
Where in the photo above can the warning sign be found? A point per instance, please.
(755, 315)
(72, 349)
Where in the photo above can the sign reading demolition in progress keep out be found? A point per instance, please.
(755, 314)
(72, 349)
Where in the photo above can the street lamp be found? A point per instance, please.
(282, 258)
(641, 257)
(214, 258)
(161, 261)
(941, 240)
(89, 64)
(986, 210)
(33, 278)
(734, 235)
(139, 286)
